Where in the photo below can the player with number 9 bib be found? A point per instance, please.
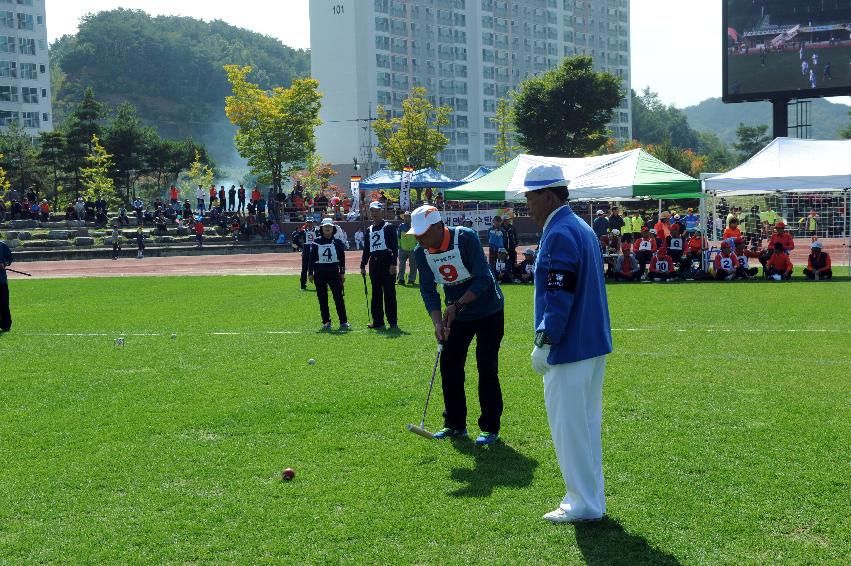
(453, 258)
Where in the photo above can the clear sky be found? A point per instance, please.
(676, 44)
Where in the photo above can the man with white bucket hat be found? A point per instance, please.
(572, 339)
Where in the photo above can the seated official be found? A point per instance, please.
(626, 267)
(661, 266)
(744, 270)
(725, 263)
(818, 264)
(525, 272)
(644, 248)
(778, 266)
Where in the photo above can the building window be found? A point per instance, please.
(25, 21)
(42, 69)
(42, 45)
(26, 46)
(8, 93)
(29, 71)
(7, 19)
(44, 93)
(7, 118)
(45, 117)
(7, 44)
(29, 95)
(39, 20)
(8, 69)
(25, 2)
(30, 119)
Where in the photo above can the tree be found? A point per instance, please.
(316, 176)
(199, 174)
(275, 130)
(126, 140)
(563, 112)
(845, 133)
(652, 122)
(4, 181)
(79, 128)
(413, 139)
(505, 148)
(95, 175)
(751, 140)
(21, 158)
(719, 158)
(51, 155)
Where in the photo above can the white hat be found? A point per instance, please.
(616, 232)
(327, 222)
(376, 205)
(816, 245)
(423, 218)
(543, 177)
(600, 213)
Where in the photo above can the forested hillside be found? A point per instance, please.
(170, 68)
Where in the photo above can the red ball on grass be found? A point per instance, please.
(288, 474)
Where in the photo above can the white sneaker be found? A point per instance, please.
(559, 515)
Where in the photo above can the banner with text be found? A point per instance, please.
(355, 186)
(482, 219)
(405, 190)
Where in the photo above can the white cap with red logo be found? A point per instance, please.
(423, 218)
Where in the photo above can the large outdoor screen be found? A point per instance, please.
(786, 49)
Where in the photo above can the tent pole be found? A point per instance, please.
(848, 226)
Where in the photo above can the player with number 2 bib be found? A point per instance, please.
(380, 253)
(454, 259)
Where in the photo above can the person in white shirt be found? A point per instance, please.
(359, 239)
(200, 194)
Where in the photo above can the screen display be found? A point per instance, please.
(786, 49)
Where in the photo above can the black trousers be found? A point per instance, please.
(305, 263)
(643, 258)
(383, 293)
(5, 314)
(323, 280)
(241, 207)
(824, 275)
(488, 332)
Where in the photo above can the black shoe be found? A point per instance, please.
(375, 326)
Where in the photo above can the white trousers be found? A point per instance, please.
(573, 394)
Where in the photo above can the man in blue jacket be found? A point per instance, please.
(572, 339)
(5, 315)
(453, 258)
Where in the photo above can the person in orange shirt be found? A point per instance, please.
(44, 209)
(173, 195)
(732, 231)
(782, 236)
(214, 194)
(663, 227)
(644, 248)
(661, 266)
(256, 196)
(779, 266)
(199, 233)
(818, 264)
(725, 263)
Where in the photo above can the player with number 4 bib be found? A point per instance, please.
(453, 258)
(328, 269)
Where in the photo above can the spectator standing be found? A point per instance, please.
(139, 210)
(255, 197)
(496, 239)
(214, 194)
(407, 243)
(601, 224)
(752, 224)
(380, 254)
(173, 195)
(308, 239)
(818, 263)
(6, 259)
(80, 209)
(223, 203)
(199, 197)
(116, 241)
(140, 243)
(783, 237)
(328, 270)
(663, 226)
(240, 195)
(691, 220)
(809, 224)
(232, 198)
(616, 221)
(510, 241)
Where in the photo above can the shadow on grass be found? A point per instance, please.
(499, 465)
(607, 543)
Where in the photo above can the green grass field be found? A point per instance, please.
(782, 71)
(726, 427)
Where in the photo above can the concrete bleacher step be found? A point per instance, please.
(24, 254)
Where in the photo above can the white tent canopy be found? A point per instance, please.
(789, 165)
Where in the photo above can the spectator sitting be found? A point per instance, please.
(69, 211)
(676, 245)
(502, 270)
(626, 266)
(123, 219)
(744, 270)
(818, 264)
(644, 248)
(601, 224)
(726, 263)
(696, 245)
(778, 266)
(274, 231)
(359, 239)
(661, 266)
(235, 228)
(160, 225)
(525, 272)
(44, 210)
(496, 239)
(187, 209)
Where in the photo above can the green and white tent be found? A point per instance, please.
(629, 175)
